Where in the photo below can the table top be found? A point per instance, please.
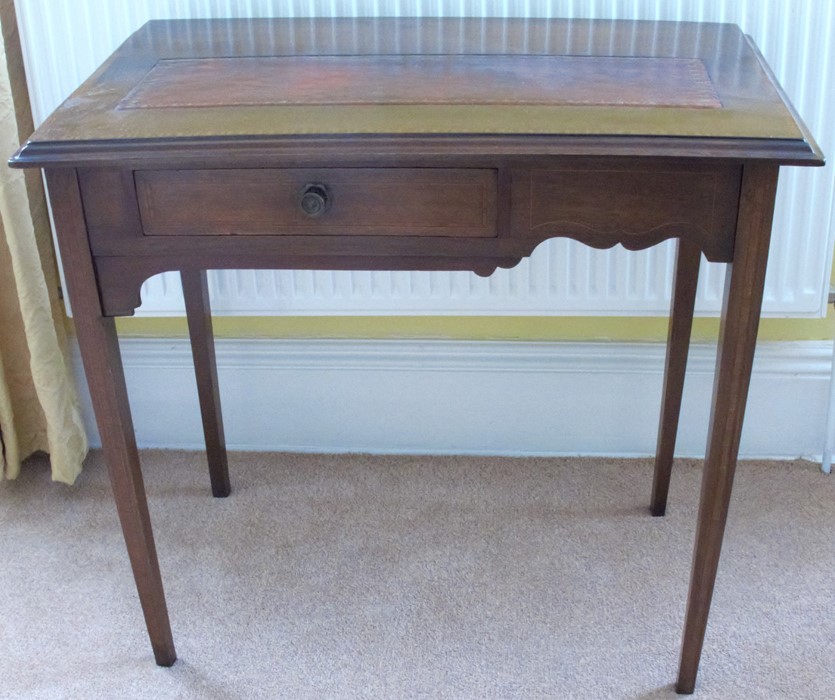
(579, 87)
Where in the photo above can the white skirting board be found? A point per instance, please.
(469, 397)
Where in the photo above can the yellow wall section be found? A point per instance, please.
(582, 328)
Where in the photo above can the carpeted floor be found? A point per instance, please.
(415, 577)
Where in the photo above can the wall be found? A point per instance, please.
(350, 395)
(64, 40)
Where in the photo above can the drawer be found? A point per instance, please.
(445, 202)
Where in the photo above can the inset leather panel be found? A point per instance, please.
(411, 79)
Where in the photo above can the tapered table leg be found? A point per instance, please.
(99, 348)
(678, 343)
(199, 314)
(737, 338)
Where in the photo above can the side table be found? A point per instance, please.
(402, 144)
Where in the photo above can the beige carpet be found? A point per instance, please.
(416, 577)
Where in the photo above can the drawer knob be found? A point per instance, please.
(314, 199)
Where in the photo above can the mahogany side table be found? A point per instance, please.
(402, 144)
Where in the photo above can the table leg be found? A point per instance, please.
(199, 314)
(678, 343)
(99, 348)
(737, 339)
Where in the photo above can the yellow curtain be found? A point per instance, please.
(39, 408)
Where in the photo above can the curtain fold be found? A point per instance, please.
(39, 408)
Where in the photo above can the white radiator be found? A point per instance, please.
(65, 40)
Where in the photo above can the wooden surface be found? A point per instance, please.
(752, 118)
(363, 201)
(418, 80)
(102, 360)
(154, 185)
(480, 218)
(605, 202)
(688, 260)
(199, 315)
(737, 340)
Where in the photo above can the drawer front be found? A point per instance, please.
(444, 202)
(634, 204)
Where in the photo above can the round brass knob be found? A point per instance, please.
(314, 199)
